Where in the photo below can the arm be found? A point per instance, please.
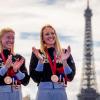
(22, 73)
(3, 70)
(68, 63)
(2, 75)
(71, 64)
(34, 74)
(4, 67)
(25, 77)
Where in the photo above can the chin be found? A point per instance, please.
(9, 48)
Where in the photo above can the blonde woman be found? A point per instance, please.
(13, 72)
(51, 66)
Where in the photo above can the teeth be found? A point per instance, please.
(50, 39)
(9, 44)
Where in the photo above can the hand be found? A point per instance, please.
(17, 64)
(9, 61)
(65, 55)
(36, 52)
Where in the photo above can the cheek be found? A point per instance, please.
(13, 41)
(44, 38)
(3, 42)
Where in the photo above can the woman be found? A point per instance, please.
(13, 72)
(51, 67)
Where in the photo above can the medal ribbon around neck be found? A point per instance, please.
(10, 71)
(52, 64)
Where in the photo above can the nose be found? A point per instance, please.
(11, 40)
(51, 34)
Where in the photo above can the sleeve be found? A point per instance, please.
(3, 70)
(39, 67)
(67, 70)
(34, 74)
(71, 64)
(20, 75)
(2, 75)
(23, 75)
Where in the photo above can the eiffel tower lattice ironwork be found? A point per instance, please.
(88, 81)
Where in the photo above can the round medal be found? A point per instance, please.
(8, 80)
(54, 78)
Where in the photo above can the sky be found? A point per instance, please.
(27, 17)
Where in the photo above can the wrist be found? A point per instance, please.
(40, 61)
(64, 63)
(15, 70)
(6, 66)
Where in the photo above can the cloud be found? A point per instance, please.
(66, 16)
(27, 3)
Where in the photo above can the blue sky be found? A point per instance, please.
(67, 17)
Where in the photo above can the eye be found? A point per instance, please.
(52, 33)
(10, 37)
(48, 33)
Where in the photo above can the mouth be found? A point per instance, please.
(50, 39)
(9, 44)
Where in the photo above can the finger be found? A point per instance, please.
(9, 61)
(17, 59)
(36, 52)
(63, 50)
(69, 49)
(16, 66)
(33, 49)
(21, 61)
(9, 57)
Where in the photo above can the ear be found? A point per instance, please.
(43, 41)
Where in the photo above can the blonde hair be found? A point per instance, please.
(42, 44)
(2, 33)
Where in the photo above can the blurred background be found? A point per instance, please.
(27, 17)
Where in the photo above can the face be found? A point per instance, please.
(49, 37)
(7, 40)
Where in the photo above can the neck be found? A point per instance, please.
(6, 49)
(49, 46)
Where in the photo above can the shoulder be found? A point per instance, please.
(18, 56)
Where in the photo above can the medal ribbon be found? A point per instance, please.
(61, 70)
(52, 64)
(10, 71)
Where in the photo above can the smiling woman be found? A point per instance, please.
(51, 66)
(13, 72)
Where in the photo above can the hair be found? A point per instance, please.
(43, 45)
(2, 33)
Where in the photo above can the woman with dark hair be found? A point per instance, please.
(13, 72)
(51, 66)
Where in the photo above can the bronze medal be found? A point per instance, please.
(8, 80)
(54, 78)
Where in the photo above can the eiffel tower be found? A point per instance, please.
(88, 81)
